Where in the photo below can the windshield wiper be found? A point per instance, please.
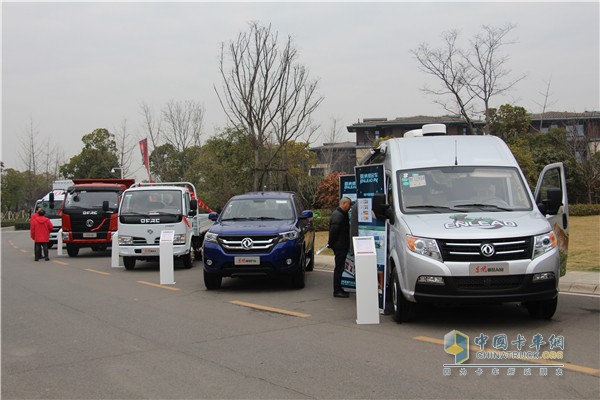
(432, 207)
(236, 219)
(482, 205)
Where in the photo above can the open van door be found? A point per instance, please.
(551, 199)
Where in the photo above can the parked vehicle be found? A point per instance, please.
(464, 226)
(51, 203)
(266, 233)
(147, 209)
(89, 213)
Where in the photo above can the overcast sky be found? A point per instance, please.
(74, 67)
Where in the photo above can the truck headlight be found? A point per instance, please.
(543, 243)
(285, 236)
(125, 240)
(179, 238)
(211, 237)
(65, 236)
(423, 246)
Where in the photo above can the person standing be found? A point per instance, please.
(339, 242)
(40, 229)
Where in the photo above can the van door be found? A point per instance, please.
(551, 198)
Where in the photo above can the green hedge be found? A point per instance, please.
(322, 219)
(580, 210)
(19, 224)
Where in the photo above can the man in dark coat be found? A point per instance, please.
(339, 242)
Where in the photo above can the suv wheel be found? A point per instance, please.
(299, 276)
(212, 281)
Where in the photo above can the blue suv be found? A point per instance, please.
(266, 233)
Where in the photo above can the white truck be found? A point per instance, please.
(464, 226)
(51, 203)
(147, 209)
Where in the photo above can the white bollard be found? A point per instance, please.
(365, 272)
(115, 260)
(59, 243)
(167, 268)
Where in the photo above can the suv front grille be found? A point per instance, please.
(260, 244)
(506, 249)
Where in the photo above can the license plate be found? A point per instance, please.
(89, 234)
(480, 269)
(246, 260)
(150, 251)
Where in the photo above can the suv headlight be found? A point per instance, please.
(179, 238)
(285, 236)
(424, 246)
(210, 237)
(125, 240)
(543, 243)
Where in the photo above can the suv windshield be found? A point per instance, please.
(261, 209)
(451, 189)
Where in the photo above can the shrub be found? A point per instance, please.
(322, 219)
(580, 210)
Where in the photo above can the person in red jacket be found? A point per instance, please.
(40, 229)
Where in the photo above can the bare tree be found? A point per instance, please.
(332, 136)
(266, 93)
(545, 105)
(183, 124)
(475, 73)
(125, 147)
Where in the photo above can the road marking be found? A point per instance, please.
(270, 309)
(97, 272)
(23, 251)
(60, 262)
(565, 365)
(158, 286)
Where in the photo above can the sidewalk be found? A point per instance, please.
(573, 281)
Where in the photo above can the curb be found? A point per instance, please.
(586, 288)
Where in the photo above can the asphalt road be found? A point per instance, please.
(77, 328)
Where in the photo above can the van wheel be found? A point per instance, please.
(129, 263)
(212, 281)
(72, 250)
(299, 276)
(543, 309)
(403, 310)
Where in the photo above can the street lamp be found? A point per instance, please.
(112, 171)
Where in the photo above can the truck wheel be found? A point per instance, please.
(298, 277)
(188, 261)
(311, 261)
(212, 281)
(72, 250)
(543, 309)
(129, 263)
(403, 310)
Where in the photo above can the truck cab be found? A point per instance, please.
(51, 204)
(464, 227)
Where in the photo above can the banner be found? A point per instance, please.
(145, 156)
(348, 187)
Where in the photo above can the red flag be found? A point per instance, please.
(145, 157)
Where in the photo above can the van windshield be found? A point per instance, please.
(462, 188)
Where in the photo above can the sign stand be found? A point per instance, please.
(167, 269)
(367, 286)
(115, 260)
(59, 243)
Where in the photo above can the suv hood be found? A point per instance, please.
(477, 224)
(251, 227)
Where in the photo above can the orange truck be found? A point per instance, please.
(89, 213)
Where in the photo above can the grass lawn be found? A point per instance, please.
(584, 243)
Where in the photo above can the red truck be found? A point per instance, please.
(89, 213)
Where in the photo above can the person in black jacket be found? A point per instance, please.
(339, 242)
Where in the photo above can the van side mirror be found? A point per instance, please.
(194, 205)
(381, 209)
(51, 200)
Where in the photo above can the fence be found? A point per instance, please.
(14, 215)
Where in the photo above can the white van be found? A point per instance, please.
(464, 227)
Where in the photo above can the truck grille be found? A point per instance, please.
(140, 241)
(506, 249)
(239, 244)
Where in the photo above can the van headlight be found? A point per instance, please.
(211, 237)
(285, 236)
(125, 240)
(179, 238)
(424, 246)
(543, 243)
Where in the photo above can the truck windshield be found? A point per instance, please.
(50, 212)
(452, 189)
(147, 201)
(91, 199)
(258, 209)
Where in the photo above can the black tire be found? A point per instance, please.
(311, 261)
(129, 263)
(543, 309)
(299, 276)
(403, 310)
(188, 260)
(72, 250)
(212, 281)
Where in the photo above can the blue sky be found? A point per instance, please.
(73, 67)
